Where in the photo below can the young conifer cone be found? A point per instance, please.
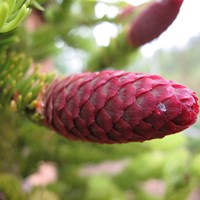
(118, 107)
(152, 21)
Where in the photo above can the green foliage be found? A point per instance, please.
(12, 13)
(195, 165)
(43, 194)
(7, 39)
(111, 56)
(173, 163)
(10, 188)
(102, 188)
(20, 87)
(169, 143)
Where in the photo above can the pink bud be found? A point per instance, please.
(152, 21)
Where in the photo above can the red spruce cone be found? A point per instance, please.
(118, 107)
(152, 21)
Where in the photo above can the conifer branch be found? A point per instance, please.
(12, 13)
(21, 85)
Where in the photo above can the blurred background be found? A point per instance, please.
(69, 36)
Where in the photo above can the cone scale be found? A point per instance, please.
(118, 107)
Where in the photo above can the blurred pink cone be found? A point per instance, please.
(152, 21)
